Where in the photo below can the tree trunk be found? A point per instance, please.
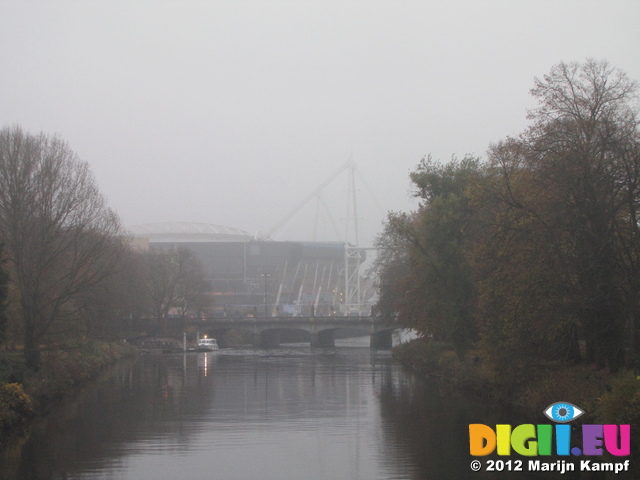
(31, 348)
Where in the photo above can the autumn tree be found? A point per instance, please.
(587, 115)
(628, 246)
(60, 237)
(391, 265)
(174, 282)
(520, 262)
(538, 249)
(435, 291)
(567, 192)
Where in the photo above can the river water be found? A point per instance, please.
(288, 413)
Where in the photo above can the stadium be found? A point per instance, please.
(252, 275)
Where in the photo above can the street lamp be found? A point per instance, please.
(265, 275)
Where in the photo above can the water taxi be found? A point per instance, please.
(207, 345)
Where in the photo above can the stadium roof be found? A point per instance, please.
(189, 232)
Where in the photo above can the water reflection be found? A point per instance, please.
(294, 413)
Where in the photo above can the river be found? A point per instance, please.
(288, 413)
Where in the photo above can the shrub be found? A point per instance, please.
(15, 406)
(621, 405)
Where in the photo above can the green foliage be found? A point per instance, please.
(430, 282)
(434, 180)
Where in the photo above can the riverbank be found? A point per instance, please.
(25, 394)
(605, 398)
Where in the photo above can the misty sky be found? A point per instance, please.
(232, 112)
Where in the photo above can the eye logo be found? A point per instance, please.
(563, 412)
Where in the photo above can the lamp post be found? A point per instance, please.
(265, 275)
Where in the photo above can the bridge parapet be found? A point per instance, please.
(318, 327)
(338, 321)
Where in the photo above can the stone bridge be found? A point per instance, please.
(266, 331)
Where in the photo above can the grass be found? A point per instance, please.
(24, 393)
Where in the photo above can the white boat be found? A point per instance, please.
(207, 345)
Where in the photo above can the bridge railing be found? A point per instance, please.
(285, 319)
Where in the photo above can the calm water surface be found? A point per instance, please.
(289, 413)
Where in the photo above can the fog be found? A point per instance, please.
(231, 113)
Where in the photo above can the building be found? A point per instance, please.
(256, 276)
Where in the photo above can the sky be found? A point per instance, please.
(233, 112)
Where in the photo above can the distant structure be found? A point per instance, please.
(254, 274)
(188, 232)
(356, 293)
(251, 275)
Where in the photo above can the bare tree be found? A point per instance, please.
(175, 283)
(4, 294)
(60, 237)
(108, 309)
